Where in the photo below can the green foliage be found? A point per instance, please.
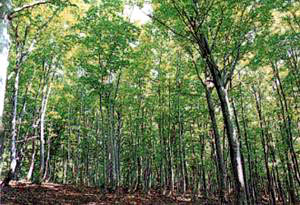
(128, 98)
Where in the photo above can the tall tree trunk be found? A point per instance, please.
(234, 145)
(21, 55)
(4, 52)
(287, 119)
(15, 161)
(264, 144)
(181, 133)
(34, 131)
(202, 158)
(47, 163)
(251, 184)
(171, 142)
(220, 80)
(46, 94)
(241, 148)
(31, 168)
(220, 159)
(290, 160)
(6, 12)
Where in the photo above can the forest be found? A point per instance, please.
(149, 102)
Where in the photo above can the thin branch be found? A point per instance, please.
(117, 86)
(233, 65)
(183, 15)
(28, 6)
(217, 31)
(196, 67)
(190, 23)
(205, 14)
(35, 38)
(168, 27)
(27, 139)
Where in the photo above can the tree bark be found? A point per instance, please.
(265, 145)
(31, 168)
(251, 184)
(220, 81)
(5, 9)
(181, 133)
(287, 119)
(15, 161)
(220, 159)
(46, 94)
(6, 14)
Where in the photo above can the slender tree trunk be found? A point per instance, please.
(34, 131)
(162, 144)
(251, 185)
(5, 14)
(202, 158)
(46, 94)
(287, 158)
(265, 146)
(112, 154)
(65, 166)
(182, 156)
(21, 55)
(171, 142)
(118, 146)
(15, 161)
(112, 142)
(180, 134)
(287, 121)
(103, 132)
(47, 163)
(78, 153)
(30, 172)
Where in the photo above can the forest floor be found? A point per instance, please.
(50, 193)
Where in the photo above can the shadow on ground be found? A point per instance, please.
(56, 194)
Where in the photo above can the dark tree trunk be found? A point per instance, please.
(220, 159)
(265, 145)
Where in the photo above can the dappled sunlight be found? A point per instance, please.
(149, 102)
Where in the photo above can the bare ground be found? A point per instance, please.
(50, 193)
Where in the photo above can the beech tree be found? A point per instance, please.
(7, 13)
(199, 104)
(22, 52)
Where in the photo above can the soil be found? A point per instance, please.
(50, 193)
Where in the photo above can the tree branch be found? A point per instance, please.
(214, 39)
(196, 67)
(233, 65)
(168, 27)
(28, 6)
